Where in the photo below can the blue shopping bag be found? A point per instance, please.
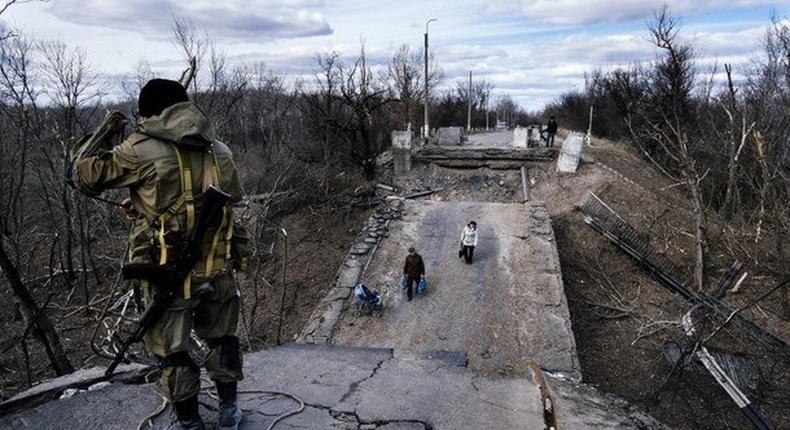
(422, 286)
(404, 282)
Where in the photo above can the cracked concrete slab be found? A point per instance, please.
(353, 388)
(506, 307)
(116, 406)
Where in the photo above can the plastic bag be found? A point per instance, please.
(422, 286)
(404, 282)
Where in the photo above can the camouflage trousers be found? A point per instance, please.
(213, 312)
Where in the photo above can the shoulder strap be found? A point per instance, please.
(186, 199)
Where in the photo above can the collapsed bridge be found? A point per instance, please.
(489, 346)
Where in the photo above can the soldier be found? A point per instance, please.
(167, 164)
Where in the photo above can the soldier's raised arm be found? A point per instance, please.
(97, 166)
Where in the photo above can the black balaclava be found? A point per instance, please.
(158, 95)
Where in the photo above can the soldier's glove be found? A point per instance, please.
(115, 121)
(90, 145)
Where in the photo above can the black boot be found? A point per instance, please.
(187, 416)
(229, 412)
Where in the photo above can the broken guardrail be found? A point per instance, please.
(754, 416)
(604, 220)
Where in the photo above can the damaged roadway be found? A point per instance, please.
(452, 359)
(508, 305)
(354, 388)
(342, 388)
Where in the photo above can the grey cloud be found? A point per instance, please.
(249, 21)
(586, 12)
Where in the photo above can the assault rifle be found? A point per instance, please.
(167, 279)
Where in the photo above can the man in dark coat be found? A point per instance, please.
(413, 269)
(551, 130)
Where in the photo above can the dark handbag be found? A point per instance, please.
(461, 252)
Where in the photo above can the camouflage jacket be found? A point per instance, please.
(151, 162)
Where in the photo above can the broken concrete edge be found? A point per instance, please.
(483, 153)
(538, 212)
(561, 387)
(547, 396)
(321, 325)
(81, 379)
(555, 388)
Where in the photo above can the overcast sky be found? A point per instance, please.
(532, 49)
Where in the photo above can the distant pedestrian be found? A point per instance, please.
(469, 241)
(551, 130)
(413, 270)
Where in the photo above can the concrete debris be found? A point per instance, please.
(568, 161)
(402, 139)
(450, 135)
(415, 194)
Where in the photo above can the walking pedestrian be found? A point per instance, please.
(469, 241)
(413, 270)
(551, 130)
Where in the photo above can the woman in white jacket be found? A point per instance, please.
(469, 241)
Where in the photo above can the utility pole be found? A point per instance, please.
(487, 112)
(469, 105)
(427, 128)
(589, 129)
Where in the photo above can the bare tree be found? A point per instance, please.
(405, 75)
(737, 134)
(73, 88)
(192, 44)
(18, 104)
(664, 119)
(365, 96)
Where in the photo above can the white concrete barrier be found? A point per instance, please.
(520, 137)
(571, 153)
(402, 139)
(450, 135)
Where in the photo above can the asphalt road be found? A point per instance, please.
(504, 308)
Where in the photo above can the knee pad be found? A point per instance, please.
(180, 376)
(229, 351)
(178, 359)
